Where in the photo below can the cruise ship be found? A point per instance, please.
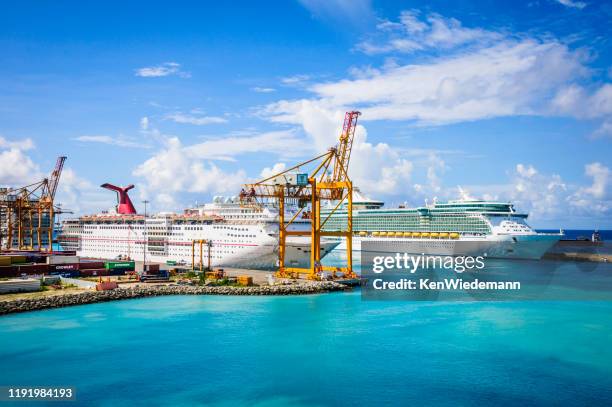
(463, 227)
(239, 235)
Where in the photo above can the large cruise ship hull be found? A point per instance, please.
(531, 246)
(297, 255)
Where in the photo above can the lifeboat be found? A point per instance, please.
(375, 233)
(407, 234)
(416, 234)
(454, 235)
(382, 233)
(434, 235)
(443, 235)
(362, 234)
(425, 234)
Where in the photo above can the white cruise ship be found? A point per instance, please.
(240, 236)
(460, 227)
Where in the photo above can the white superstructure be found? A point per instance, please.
(239, 236)
(459, 227)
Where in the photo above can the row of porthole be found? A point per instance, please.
(432, 235)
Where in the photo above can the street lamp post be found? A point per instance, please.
(146, 237)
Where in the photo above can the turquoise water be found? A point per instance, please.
(327, 349)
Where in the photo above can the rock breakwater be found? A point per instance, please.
(89, 297)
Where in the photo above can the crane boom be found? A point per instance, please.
(55, 176)
(345, 146)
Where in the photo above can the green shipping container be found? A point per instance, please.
(124, 265)
(171, 262)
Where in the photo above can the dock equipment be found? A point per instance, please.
(27, 214)
(208, 244)
(328, 181)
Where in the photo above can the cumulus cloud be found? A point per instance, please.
(165, 69)
(75, 193)
(25, 144)
(176, 168)
(195, 120)
(193, 168)
(267, 172)
(81, 196)
(17, 169)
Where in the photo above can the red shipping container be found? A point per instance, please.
(90, 265)
(40, 268)
(63, 267)
(94, 273)
(8, 271)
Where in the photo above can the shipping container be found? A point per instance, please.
(18, 259)
(85, 265)
(9, 271)
(62, 259)
(63, 267)
(29, 269)
(94, 273)
(245, 280)
(124, 265)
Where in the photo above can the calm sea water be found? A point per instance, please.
(323, 350)
(331, 349)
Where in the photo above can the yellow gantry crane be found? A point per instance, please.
(328, 181)
(27, 213)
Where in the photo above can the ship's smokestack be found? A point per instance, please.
(124, 203)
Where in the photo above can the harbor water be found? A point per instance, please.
(327, 349)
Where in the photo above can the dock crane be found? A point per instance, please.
(27, 213)
(328, 181)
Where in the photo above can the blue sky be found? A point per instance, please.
(510, 100)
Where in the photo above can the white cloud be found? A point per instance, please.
(578, 101)
(413, 33)
(540, 195)
(377, 168)
(267, 172)
(496, 75)
(195, 120)
(295, 79)
(259, 89)
(25, 144)
(17, 169)
(165, 69)
(81, 196)
(113, 141)
(144, 123)
(601, 175)
(283, 142)
(604, 130)
(573, 4)
(176, 169)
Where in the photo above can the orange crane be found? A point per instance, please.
(328, 181)
(27, 213)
